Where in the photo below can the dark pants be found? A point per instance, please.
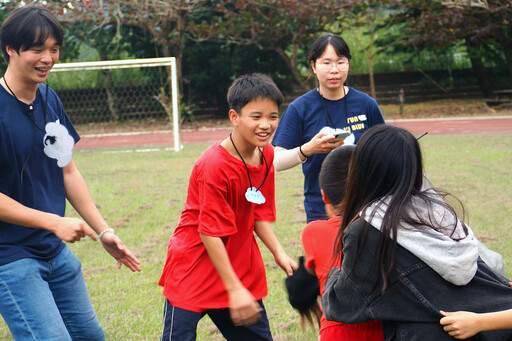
(181, 325)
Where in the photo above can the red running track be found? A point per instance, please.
(474, 125)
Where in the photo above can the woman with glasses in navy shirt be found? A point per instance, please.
(309, 127)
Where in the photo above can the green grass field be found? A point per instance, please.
(141, 195)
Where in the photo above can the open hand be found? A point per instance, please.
(113, 244)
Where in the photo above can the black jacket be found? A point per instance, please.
(409, 310)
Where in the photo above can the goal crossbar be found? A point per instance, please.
(132, 63)
(114, 64)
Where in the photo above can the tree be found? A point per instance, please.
(5, 9)
(492, 23)
(165, 20)
(373, 18)
(281, 26)
(482, 25)
(110, 42)
(211, 66)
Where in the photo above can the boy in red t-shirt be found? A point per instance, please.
(213, 264)
(318, 239)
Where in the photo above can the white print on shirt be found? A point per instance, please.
(357, 122)
(58, 144)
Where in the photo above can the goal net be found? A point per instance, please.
(120, 91)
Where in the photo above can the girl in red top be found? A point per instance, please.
(318, 238)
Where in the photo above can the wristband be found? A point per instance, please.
(103, 232)
(300, 150)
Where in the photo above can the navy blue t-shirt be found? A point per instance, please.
(304, 118)
(31, 150)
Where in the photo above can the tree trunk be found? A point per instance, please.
(371, 76)
(369, 57)
(297, 77)
(506, 45)
(109, 88)
(481, 73)
(504, 37)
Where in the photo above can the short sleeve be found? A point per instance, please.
(216, 216)
(374, 113)
(289, 131)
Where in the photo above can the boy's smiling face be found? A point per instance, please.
(256, 123)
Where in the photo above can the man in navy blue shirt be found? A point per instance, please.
(43, 293)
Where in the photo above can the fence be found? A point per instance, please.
(420, 86)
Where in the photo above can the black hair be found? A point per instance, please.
(337, 42)
(387, 162)
(29, 26)
(247, 88)
(333, 174)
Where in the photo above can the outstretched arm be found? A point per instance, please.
(464, 324)
(321, 143)
(80, 198)
(243, 308)
(267, 236)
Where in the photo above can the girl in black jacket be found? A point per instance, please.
(406, 255)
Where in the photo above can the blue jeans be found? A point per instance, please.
(181, 325)
(48, 300)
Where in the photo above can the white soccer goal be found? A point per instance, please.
(163, 95)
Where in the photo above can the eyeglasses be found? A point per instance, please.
(327, 65)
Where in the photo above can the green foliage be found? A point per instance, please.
(278, 26)
(113, 41)
(5, 8)
(224, 39)
(96, 79)
(88, 79)
(210, 67)
(400, 58)
(487, 28)
(187, 111)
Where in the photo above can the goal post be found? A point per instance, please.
(171, 109)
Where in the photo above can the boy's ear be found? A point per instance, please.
(325, 198)
(233, 117)
(10, 51)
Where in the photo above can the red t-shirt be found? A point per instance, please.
(318, 238)
(216, 206)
